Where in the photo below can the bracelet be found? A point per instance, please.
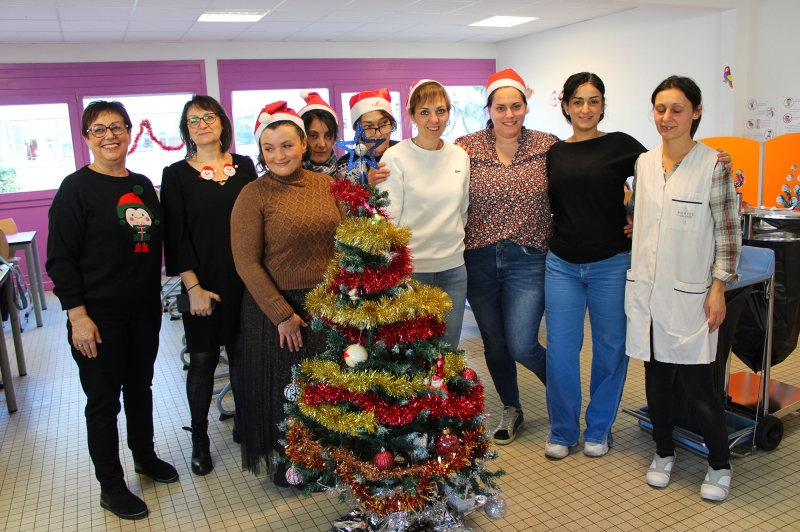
(287, 319)
(194, 285)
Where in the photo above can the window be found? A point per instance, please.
(163, 112)
(468, 114)
(247, 104)
(35, 147)
(397, 134)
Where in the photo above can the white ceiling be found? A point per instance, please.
(427, 21)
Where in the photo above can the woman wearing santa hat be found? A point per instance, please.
(373, 110)
(198, 193)
(506, 241)
(322, 129)
(428, 189)
(104, 257)
(282, 232)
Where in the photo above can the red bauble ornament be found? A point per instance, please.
(384, 460)
(469, 374)
(446, 443)
(293, 476)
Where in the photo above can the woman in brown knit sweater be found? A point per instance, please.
(282, 234)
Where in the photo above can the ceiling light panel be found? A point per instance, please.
(231, 15)
(503, 22)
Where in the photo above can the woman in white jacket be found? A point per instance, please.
(428, 187)
(686, 246)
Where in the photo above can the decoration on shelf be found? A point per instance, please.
(496, 508)
(384, 460)
(738, 181)
(145, 125)
(787, 199)
(355, 354)
(446, 443)
(470, 374)
(293, 477)
(727, 77)
(291, 392)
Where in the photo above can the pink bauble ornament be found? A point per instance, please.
(384, 460)
(469, 374)
(293, 476)
(355, 354)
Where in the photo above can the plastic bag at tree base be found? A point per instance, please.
(748, 341)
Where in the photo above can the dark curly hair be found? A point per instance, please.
(575, 81)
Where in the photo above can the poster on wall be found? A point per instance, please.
(762, 122)
(789, 115)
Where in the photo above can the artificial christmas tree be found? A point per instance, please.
(388, 415)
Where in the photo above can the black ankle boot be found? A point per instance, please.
(124, 504)
(201, 451)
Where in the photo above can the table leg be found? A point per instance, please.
(16, 328)
(5, 373)
(39, 275)
(34, 286)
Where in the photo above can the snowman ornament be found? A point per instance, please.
(207, 173)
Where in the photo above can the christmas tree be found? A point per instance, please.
(388, 415)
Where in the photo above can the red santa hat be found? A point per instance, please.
(367, 101)
(276, 112)
(315, 102)
(505, 78)
(417, 84)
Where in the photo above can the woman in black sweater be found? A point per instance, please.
(198, 194)
(104, 257)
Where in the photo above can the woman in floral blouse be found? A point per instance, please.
(506, 241)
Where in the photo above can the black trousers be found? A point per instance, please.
(124, 362)
(697, 382)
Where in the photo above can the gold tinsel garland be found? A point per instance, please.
(371, 236)
(330, 417)
(419, 300)
(399, 386)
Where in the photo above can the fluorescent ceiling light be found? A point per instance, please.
(231, 15)
(503, 22)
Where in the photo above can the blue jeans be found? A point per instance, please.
(569, 289)
(505, 288)
(454, 283)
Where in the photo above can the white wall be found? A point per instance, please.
(212, 51)
(775, 49)
(632, 52)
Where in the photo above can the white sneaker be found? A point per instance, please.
(595, 449)
(556, 451)
(717, 484)
(660, 471)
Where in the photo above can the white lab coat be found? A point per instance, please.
(673, 251)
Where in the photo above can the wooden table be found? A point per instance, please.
(5, 366)
(26, 240)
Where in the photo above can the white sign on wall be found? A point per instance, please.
(789, 115)
(762, 119)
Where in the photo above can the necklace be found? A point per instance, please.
(439, 144)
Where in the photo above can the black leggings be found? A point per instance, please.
(698, 385)
(200, 382)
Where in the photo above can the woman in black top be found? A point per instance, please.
(104, 257)
(198, 194)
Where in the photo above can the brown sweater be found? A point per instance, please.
(282, 235)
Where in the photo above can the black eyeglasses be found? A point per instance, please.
(382, 129)
(208, 118)
(99, 130)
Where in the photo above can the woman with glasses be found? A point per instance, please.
(104, 257)
(322, 127)
(429, 192)
(373, 110)
(198, 194)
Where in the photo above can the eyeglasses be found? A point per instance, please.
(382, 129)
(99, 130)
(208, 118)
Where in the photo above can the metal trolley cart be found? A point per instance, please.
(756, 403)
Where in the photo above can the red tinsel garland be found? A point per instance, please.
(405, 332)
(145, 124)
(353, 196)
(376, 279)
(462, 407)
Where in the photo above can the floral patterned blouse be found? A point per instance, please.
(508, 202)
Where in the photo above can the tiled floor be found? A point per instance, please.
(47, 482)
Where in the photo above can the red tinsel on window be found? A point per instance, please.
(353, 196)
(145, 125)
(376, 279)
(401, 332)
(462, 407)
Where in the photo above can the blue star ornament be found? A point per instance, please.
(356, 155)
